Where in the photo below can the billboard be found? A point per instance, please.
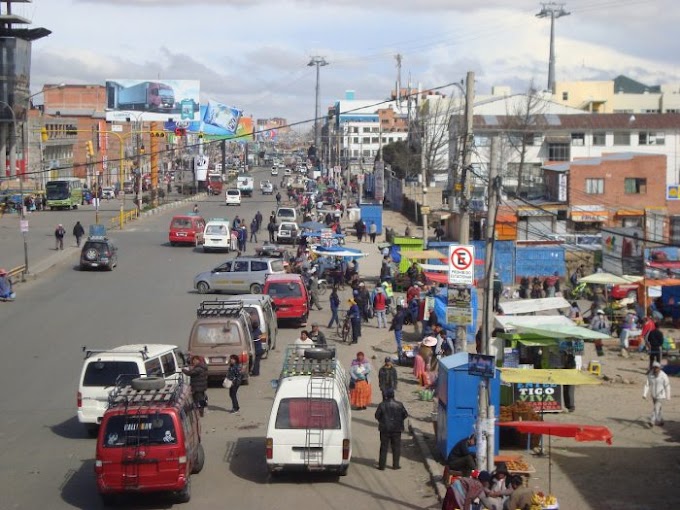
(244, 128)
(222, 116)
(152, 100)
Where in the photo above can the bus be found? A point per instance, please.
(64, 193)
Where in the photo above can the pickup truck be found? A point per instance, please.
(245, 185)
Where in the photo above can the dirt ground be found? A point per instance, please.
(637, 472)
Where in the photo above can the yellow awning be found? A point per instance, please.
(424, 254)
(630, 212)
(567, 376)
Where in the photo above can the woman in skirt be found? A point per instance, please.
(360, 389)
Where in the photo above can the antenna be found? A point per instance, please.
(554, 11)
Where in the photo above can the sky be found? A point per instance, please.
(254, 54)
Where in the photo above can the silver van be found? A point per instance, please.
(262, 309)
(239, 275)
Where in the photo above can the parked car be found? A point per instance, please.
(222, 328)
(287, 233)
(217, 235)
(149, 441)
(275, 170)
(290, 296)
(108, 192)
(262, 309)
(242, 274)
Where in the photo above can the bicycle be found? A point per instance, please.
(344, 329)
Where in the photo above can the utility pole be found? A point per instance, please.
(553, 10)
(464, 216)
(398, 58)
(424, 209)
(318, 62)
(485, 457)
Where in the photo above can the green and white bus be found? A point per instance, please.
(64, 193)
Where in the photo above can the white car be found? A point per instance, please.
(217, 235)
(287, 171)
(287, 233)
(267, 188)
(275, 170)
(233, 197)
(108, 192)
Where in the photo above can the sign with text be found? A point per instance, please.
(542, 398)
(460, 316)
(461, 265)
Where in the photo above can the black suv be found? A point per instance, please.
(99, 252)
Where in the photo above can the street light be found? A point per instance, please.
(317, 61)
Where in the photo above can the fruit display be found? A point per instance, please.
(518, 410)
(540, 501)
(518, 465)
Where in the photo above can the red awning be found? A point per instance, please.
(578, 432)
(439, 277)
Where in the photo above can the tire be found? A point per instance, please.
(147, 383)
(206, 250)
(184, 496)
(200, 460)
(202, 287)
(256, 288)
(346, 333)
(108, 499)
(173, 243)
(343, 470)
(319, 353)
(323, 287)
(91, 429)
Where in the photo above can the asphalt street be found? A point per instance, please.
(47, 459)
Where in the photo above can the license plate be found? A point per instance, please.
(181, 234)
(218, 360)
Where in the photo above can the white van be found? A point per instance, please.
(217, 235)
(261, 307)
(102, 369)
(233, 197)
(310, 425)
(286, 214)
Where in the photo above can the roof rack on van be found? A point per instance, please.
(91, 352)
(316, 361)
(125, 392)
(219, 308)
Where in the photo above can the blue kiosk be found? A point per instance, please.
(457, 410)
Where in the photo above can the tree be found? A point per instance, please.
(432, 129)
(403, 159)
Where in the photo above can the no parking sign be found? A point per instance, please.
(461, 264)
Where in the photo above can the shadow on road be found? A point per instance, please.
(70, 429)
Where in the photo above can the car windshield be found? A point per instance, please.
(305, 413)
(286, 213)
(105, 373)
(139, 429)
(57, 190)
(277, 265)
(284, 290)
(217, 334)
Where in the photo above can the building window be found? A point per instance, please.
(355, 139)
(367, 130)
(565, 96)
(635, 186)
(558, 152)
(385, 121)
(595, 186)
(622, 138)
(366, 153)
(599, 139)
(651, 111)
(355, 153)
(652, 138)
(482, 141)
(355, 129)
(578, 139)
(366, 139)
(391, 140)
(375, 139)
(375, 130)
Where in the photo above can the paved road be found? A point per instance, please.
(40, 237)
(47, 459)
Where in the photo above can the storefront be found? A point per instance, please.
(588, 218)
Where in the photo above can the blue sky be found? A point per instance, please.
(254, 54)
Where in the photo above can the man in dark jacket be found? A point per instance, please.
(387, 377)
(460, 458)
(198, 372)
(397, 326)
(390, 415)
(655, 344)
(78, 232)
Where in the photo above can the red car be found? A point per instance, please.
(149, 440)
(186, 229)
(289, 294)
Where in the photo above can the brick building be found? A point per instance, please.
(624, 189)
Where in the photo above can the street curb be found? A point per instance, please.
(433, 467)
(56, 258)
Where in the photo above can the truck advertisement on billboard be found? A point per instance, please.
(244, 127)
(152, 100)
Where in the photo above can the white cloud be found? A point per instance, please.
(254, 54)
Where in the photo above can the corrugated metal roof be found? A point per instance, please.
(591, 121)
(618, 156)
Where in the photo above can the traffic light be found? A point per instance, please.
(72, 130)
(44, 135)
(157, 134)
(200, 134)
(180, 131)
(142, 150)
(90, 148)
